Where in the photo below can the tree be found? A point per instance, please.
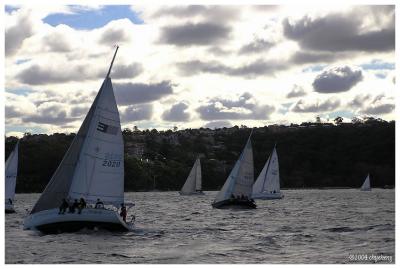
(338, 120)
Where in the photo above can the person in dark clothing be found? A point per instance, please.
(63, 206)
(99, 204)
(9, 201)
(82, 205)
(74, 206)
(123, 212)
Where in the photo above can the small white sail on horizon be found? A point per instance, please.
(193, 181)
(11, 171)
(240, 180)
(366, 186)
(267, 185)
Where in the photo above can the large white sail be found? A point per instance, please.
(268, 180)
(193, 181)
(241, 178)
(93, 167)
(366, 186)
(11, 170)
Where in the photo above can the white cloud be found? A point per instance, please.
(63, 67)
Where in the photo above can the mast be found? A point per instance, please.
(112, 62)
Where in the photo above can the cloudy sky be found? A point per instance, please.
(198, 66)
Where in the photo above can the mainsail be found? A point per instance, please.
(268, 180)
(193, 181)
(366, 186)
(93, 167)
(11, 170)
(241, 178)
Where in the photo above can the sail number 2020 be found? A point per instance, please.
(110, 163)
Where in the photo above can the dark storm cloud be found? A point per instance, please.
(126, 71)
(244, 108)
(313, 57)
(176, 113)
(256, 46)
(54, 114)
(205, 33)
(328, 105)
(16, 34)
(78, 111)
(253, 69)
(114, 36)
(337, 79)
(37, 75)
(344, 32)
(218, 124)
(137, 112)
(359, 100)
(378, 109)
(135, 93)
(296, 91)
(209, 12)
(57, 42)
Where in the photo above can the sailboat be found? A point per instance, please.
(192, 185)
(236, 191)
(92, 169)
(11, 170)
(366, 186)
(267, 186)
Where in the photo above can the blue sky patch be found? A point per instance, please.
(342, 113)
(20, 91)
(378, 65)
(93, 18)
(21, 61)
(314, 68)
(10, 9)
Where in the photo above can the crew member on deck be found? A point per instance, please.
(123, 212)
(99, 204)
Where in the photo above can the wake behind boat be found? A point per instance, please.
(92, 171)
(267, 185)
(236, 191)
(192, 185)
(11, 170)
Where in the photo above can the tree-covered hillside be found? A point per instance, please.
(310, 155)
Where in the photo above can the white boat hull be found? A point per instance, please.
(49, 221)
(9, 208)
(268, 196)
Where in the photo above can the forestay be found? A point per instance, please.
(241, 178)
(11, 170)
(193, 182)
(93, 167)
(268, 180)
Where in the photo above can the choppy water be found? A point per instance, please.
(307, 226)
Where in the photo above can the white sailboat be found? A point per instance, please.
(267, 185)
(92, 169)
(192, 185)
(236, 191)
(11, 170)
(366, 186)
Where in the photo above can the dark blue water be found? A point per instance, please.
(307, 226)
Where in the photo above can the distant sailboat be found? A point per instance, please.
(366, 186)
(92, 168)
(192, 185)
(236, 191)
(267, 185)
(11, 170)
